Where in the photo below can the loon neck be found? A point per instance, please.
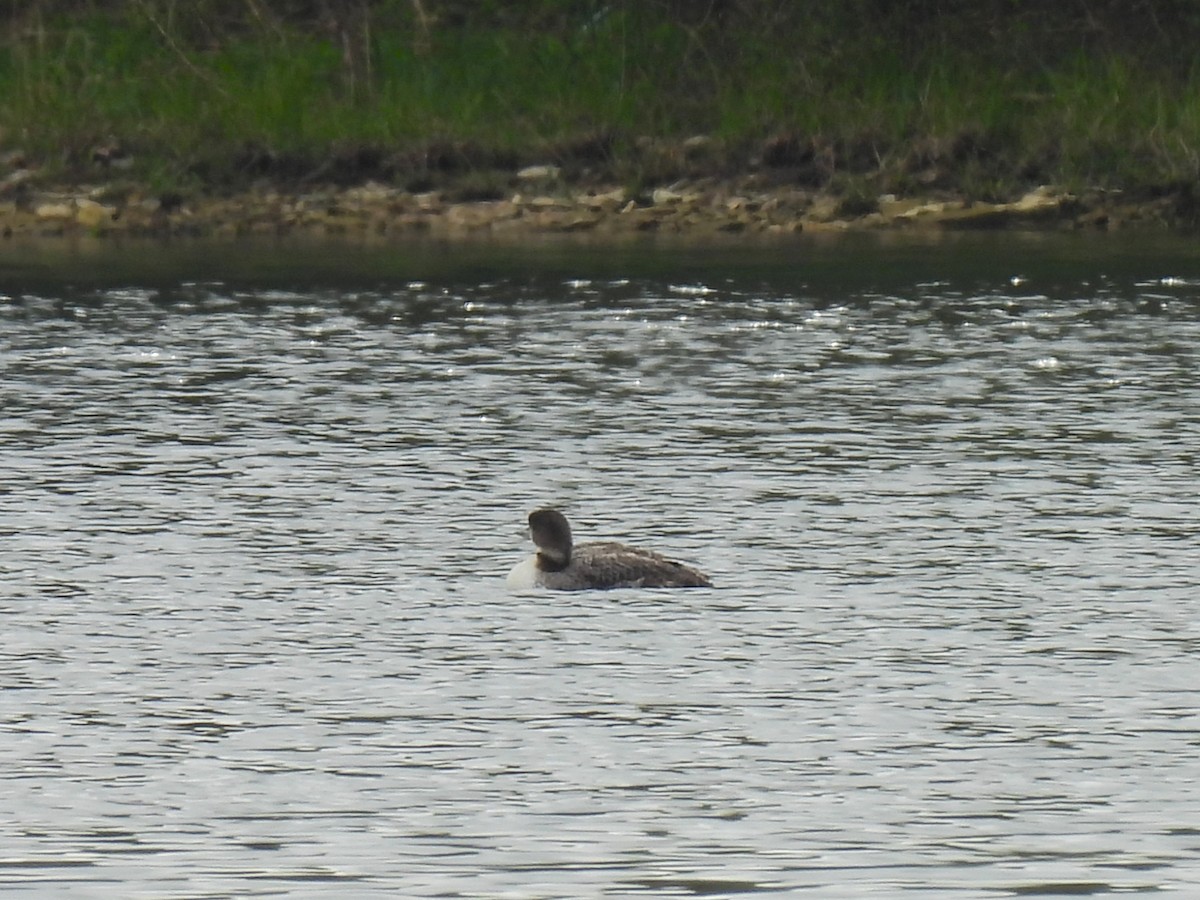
(552, 560)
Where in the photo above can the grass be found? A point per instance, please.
(862, 113)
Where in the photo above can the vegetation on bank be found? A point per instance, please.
(983, 98)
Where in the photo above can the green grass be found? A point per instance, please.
(190, 110)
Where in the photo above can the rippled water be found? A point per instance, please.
(254, 533)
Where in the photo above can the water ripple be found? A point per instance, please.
(257, 641)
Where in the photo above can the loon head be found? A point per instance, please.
(552, 534)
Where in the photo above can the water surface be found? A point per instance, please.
(256, 510)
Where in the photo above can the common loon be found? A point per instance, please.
(560, 566)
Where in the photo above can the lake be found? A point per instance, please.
(257, 503)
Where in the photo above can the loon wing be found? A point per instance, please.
(611, 565)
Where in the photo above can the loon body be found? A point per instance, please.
(559, 565)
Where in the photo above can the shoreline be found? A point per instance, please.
(541, 203)
(736, 120)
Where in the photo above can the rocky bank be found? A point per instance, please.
(540, 202)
